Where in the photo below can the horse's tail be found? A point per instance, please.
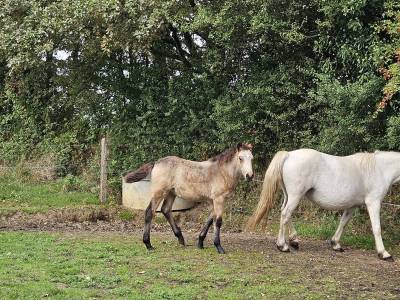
(272, 181)
(139, 174)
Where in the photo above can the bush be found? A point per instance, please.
(71, 183)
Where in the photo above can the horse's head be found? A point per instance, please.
(245, 158)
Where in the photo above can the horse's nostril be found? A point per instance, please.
(249, 177)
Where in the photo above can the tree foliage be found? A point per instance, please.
(192, 77)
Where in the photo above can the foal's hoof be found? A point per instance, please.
(388, 258)
(181, 239)
(200, 245)
(294, 245)
(283, 248)
(150, 248)
(220, 250)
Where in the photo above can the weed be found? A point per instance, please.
(127, 215)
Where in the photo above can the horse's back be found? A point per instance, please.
(332, 181)
(313, 162)
(185, 177)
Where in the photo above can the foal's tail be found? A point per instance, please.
(139, 174)
(272, 181)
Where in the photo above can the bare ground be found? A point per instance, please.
(358, 273)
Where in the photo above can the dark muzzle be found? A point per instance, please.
(249, 178)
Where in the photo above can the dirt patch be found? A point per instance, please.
(95, 218)
(83, 218)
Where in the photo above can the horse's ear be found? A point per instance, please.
(239, 146)
(250, 146)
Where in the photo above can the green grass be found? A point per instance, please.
(31, 197)
(62, 266)
(327, 228)
(127, 215)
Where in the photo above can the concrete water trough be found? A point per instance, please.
(136, 195)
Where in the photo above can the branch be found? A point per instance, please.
(189, 42)
(178, 45)
(167, 54)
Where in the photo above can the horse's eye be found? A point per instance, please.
(240, 158)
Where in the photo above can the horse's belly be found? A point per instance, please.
(191, 193)
(335, 199)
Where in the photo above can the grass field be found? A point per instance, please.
(37, 265)
(75, 265)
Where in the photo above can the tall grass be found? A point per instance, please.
(21, 190)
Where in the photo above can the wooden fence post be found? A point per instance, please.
(103, 170)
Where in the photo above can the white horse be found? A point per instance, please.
(334, 183)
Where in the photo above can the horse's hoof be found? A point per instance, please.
(150, 248)
(284, 248)
(180, 237)
(294, 245)
(389, 258)
(200, 245)
(340, 249)
(220, 250)
(336, 246)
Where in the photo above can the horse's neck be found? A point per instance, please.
(389, 164)
(230, 174)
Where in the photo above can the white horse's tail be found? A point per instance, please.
(272, 181)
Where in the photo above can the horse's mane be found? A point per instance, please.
(225, 156)
(229, 154)
(366, 160)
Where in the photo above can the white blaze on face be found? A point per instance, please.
(245, 160)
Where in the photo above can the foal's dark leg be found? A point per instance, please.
(218, 211)
(217, 241)
(203, 233)
(148, 217)
(166, 210)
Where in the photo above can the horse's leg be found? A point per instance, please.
(347, 214)
(286, 213)
(148, 217)
(218, 211)
(293, 240)
(166, 210)
(374, 206)
(203, 233)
